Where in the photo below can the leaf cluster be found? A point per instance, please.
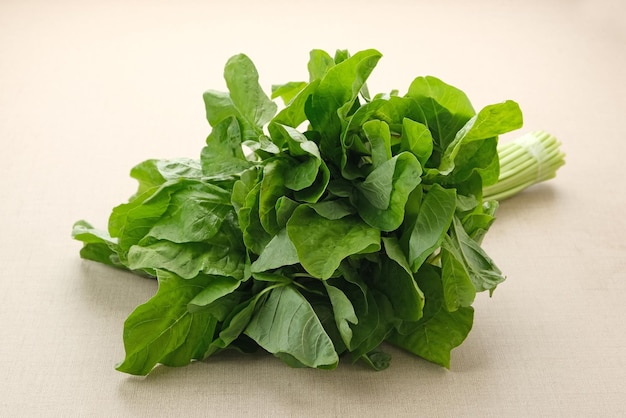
(320, 230)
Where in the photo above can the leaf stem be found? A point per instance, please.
(527, 160)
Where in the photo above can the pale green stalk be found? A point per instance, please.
(527, 160)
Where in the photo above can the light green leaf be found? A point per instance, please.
(319, 64)
(153, 173)
(445, 107)
(288, 90)
(246, 94)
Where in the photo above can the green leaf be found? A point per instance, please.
(491, 121)
(97, 244)
(416, 138)
(382, 197)
(458, 289)
(219, 106)
(319, 64)
(235, 324)
(439, 331)
(189, 259)
(195, 214)
(288, 90)
(284, 208)
(163, 325)
(343, 312)
(223, 154)
(478, 223)
(334, 209)
(272, 188)
(433, 220)
(483, 272)
(153, 173)
(217, 287)
(335, 96)
(375, 323)
(287, 324)
(396, 282)
(255, 236)
(445, 107)
(356, 153)
(130, 222)
(279, 252)
(246, 94)
(322, 243)
(294, 113)
(379, 137)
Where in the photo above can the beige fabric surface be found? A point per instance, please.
(90, 88)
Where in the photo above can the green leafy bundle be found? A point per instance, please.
(324, 229)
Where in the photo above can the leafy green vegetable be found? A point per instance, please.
(320, 239)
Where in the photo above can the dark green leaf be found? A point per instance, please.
(223, 154)
(322, 243)
(286, 324)
(491, 121)
(163, 325)
(189, 259)
(217, 287)
(458, 289)
(279, 252)
(382, 197)
(396, 282)
(435, 335)
(482, 270)
(343, 312)
(434, 218)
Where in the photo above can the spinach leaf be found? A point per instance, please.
(164, 327)
(433, 219)
(381, 198)
(439, 331)
(322, 243)
(287, 326)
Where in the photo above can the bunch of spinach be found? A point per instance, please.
(338, 223)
